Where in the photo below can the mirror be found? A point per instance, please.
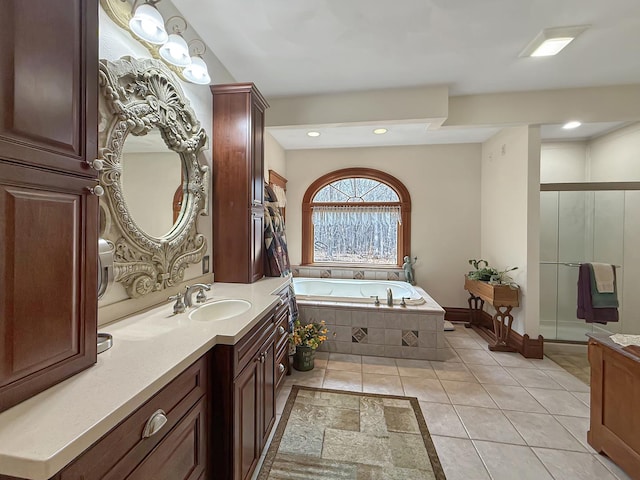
(155, 187)
(151, 179)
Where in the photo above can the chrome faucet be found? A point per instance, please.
(201, 297)
(389, 297)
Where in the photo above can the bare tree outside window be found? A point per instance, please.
(356, 221)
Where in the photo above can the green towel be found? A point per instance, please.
(603, 300)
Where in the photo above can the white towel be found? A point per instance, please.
(603, 273)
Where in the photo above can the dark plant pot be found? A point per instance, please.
(303, 358)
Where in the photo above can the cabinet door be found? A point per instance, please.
(267, 392)
(257, 244)
(48, 280)
(182, 453)
(48, 83)
(246, 436)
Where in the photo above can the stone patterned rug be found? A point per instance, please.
(337, 435)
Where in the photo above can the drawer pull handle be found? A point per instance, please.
(154, 424)
(283, 300)
(281, 368)
(281, 330)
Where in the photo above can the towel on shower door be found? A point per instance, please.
(604, 276)
(601, 299)
(586, 309)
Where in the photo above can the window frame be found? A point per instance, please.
(404, 230)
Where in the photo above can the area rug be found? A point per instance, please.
(337, 435)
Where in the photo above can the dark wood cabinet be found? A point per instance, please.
(243, 396)
(48, 217)
(238, 182)
(48, 83)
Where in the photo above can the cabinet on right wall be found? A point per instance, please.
(238, 182)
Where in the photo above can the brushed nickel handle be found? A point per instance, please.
(283, 300)
(98, 190)
(281, 330)
(96, 164)
(281, 368)
(154, 424)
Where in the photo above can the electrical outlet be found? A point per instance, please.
(205, 264)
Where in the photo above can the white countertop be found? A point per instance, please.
(41, 435)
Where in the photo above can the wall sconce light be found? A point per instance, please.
(175, 50)
(148, 24)
(197, 71)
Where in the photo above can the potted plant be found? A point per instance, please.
(306, 339)
(489, 274)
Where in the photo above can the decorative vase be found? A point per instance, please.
(303, 358)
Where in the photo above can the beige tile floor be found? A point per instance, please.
(491, 415)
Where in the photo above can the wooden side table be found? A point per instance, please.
(503, 298)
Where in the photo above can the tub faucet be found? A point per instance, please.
(201, 297)
(389, 297)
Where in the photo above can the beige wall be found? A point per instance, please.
(510, 202)
(274, 157)
(443, 181)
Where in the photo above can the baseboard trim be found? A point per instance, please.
(456, 314)
(525, 345)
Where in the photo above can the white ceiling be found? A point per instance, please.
(294, 47)
(291, 47)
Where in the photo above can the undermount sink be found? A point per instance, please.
(219, 310)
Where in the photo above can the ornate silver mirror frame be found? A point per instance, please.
(138, 95)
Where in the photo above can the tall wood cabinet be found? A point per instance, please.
(238, 182)
(48, 216)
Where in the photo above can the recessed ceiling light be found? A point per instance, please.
(313, 134)
(380, 131)
(572, 124)
(551, 41)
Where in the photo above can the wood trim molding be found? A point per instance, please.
(276, 179)
(404, 233)
(588, 186)
(525, 345)
(456, 314)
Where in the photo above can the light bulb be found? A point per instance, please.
(148, 24)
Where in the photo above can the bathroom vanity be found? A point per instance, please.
(615, 393)
(211, 379)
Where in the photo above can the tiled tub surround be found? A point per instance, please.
(415, 331)
(357, 273)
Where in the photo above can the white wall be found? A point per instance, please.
(616, 157)
(563, 162)
(443, 181)
(510, 206)
(115, 43)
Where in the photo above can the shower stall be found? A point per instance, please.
(588, 222)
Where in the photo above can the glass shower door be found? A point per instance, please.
(576, 227)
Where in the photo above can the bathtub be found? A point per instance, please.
(356, 325)
(355, 291)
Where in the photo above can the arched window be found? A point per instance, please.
(356, 216)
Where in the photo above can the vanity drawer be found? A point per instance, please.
(282, 330)
(282, 358)
(121, 450)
